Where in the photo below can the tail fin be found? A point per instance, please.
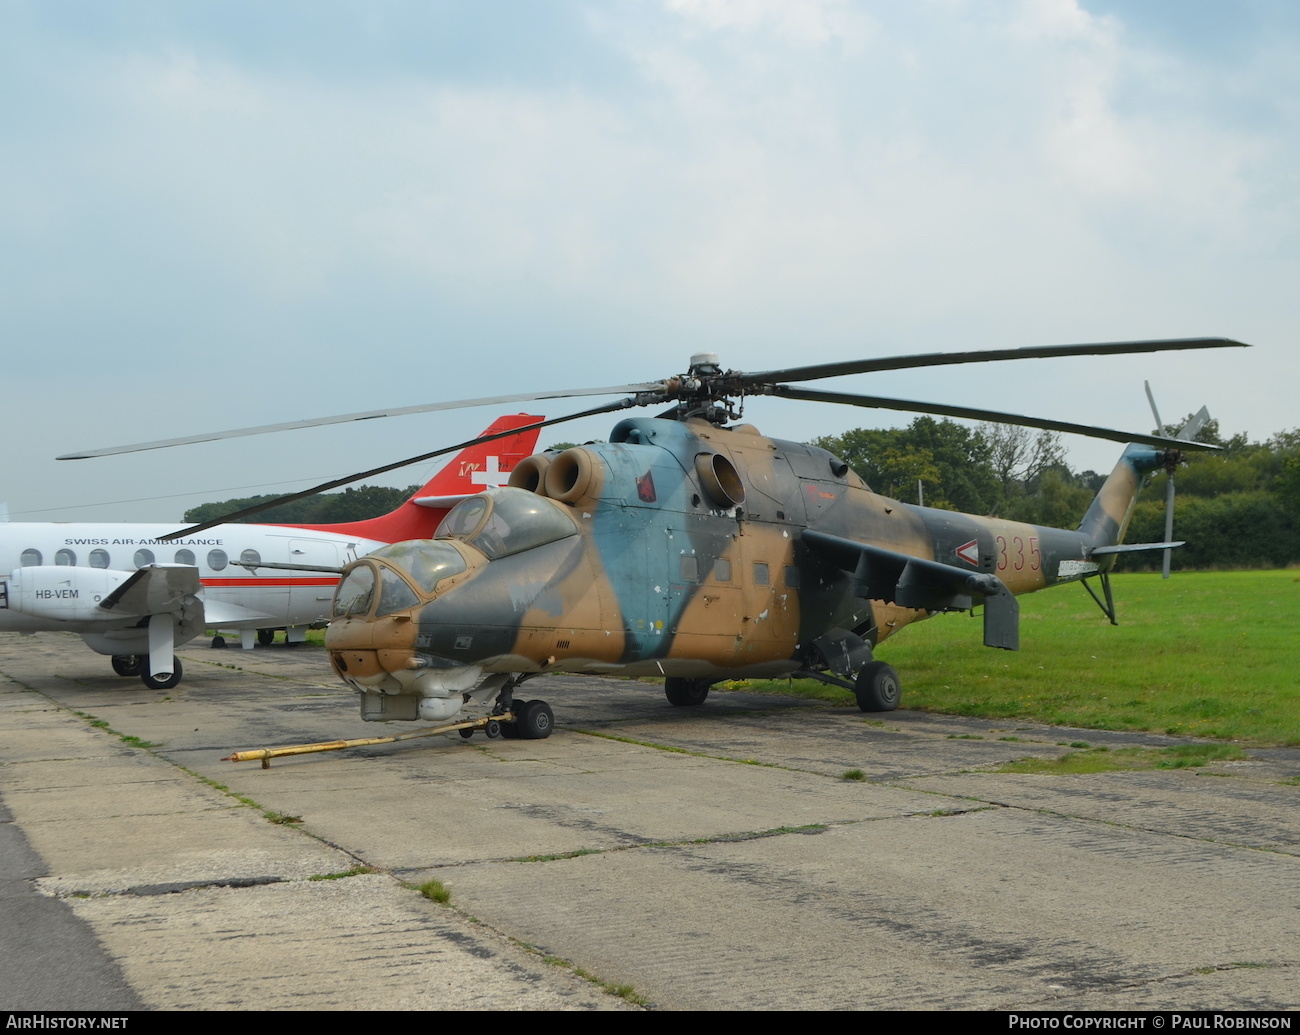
(468, 472)
(1108, 517)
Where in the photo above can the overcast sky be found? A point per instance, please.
(221, 214)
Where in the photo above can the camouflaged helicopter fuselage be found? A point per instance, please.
(661, 576)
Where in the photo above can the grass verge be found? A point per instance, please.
(1206, 654)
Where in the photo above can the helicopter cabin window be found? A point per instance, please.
(426, 561)
(354, 592)
(690, 568)
(184, 556)
(217, 559)
(143, 558)
(501, 522)
(791, 576)
(66, 557)
(31, 558)
(761, 576)
(99, 559)
(722, 570)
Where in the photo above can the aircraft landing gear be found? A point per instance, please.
(533, 720)
(163, 682)
(877, 688)
(686, 693)
(218, 642)
(128, 664)
(266, 637)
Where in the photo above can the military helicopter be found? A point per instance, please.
(695, 549)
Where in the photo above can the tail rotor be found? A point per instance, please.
(1173, 458)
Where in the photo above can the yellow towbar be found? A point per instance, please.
(266, 754)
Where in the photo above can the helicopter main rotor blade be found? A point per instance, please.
(872, 402)
(400, 411)
(236, 515)
(940, 359)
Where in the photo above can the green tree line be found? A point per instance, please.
(357, 504)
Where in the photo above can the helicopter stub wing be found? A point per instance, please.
(899, 578)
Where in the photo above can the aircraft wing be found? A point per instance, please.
(899, 578)
(221, 614)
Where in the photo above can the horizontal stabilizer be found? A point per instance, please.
(1101, 551)
(439, 502)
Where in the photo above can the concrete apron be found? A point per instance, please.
(709, 858)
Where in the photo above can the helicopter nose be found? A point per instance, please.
(357, 659)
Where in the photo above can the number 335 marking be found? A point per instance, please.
(1014, 555)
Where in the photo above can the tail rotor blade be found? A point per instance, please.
(1160, 426)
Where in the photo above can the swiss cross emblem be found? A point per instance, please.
(969, 552)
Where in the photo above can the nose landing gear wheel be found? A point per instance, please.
(163, 682)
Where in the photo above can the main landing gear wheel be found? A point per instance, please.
(218, 643)
(163, 682)
(266, 637)
(534, 720)
(685, 693)
(877, 688)
(128, 664)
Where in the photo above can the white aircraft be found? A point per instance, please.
(136, 598)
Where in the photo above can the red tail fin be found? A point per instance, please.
(469, 471)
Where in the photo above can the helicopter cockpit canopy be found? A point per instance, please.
(500, 522)
(422, 561)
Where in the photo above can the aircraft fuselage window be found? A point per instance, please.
(184, 556)
(690, 568)
(143, 558)
(66, 557)
(31, 558)
(217, 559)
(722, 570)
(792, 576)
(99, 559)
(761, 577)
(250, 557)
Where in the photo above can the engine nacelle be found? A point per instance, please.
(62, 593)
